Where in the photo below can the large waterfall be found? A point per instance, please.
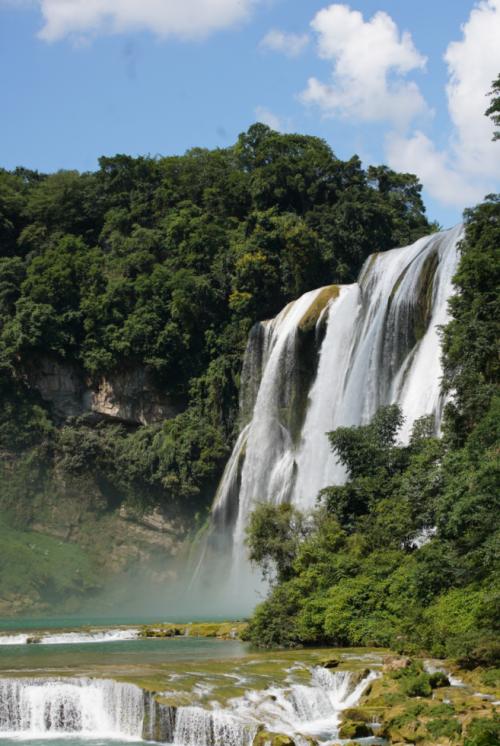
(331, 358)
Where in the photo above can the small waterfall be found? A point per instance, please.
(94, 708)
(105, 709)
(198, 727)
(309, 710)
(159, 720)
(332, 358)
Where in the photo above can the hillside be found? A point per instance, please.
(126, 297)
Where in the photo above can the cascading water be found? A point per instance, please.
(371, 343)
(104, 709)
(299, 710)
(94, 708)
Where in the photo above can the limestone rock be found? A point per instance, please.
(264, 738)
(128, 395)
(329, 662)
(396, 662)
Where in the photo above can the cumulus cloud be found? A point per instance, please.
(371, 60)
(443, 180)
(186, 19)
(288, 44)
(469, 166)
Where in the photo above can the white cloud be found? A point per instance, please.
(469, 167)
(186, 19)
(289, 44)
(265, 116)
(418, 155)
(473, 63)
(370, 62)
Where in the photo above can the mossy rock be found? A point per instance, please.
(264, 738)
(311, 316)
(354, 729)
(358, 714)
(330, 662)
(438, 679)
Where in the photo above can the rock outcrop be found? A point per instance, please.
(128, 395)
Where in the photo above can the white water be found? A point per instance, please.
(268, 466)
(93, 708)
(104, 709)
(297, 710)
(381, 346)
(71, 638)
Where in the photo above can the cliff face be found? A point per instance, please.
(70, 546)
(129, 396)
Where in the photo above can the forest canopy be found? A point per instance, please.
(165, 263)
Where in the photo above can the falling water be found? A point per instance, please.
(103, 709)
(94, 708)
(371, 343)
(298, 710)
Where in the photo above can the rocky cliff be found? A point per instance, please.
(130, 395)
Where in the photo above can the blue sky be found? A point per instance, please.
(87, 78)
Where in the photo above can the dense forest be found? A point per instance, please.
(355, 574)
(164, 264)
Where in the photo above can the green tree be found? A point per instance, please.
(493, 109)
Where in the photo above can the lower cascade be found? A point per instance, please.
(101, 708)
(96, 708)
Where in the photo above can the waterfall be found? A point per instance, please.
(332, 358)
(93, 708)
(105, 709)
(309, 710)
(198, 727)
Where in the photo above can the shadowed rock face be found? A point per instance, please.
(129, 395)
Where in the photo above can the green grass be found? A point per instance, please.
(43, 567)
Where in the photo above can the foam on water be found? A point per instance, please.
(70, 638)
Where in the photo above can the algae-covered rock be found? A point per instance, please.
(266, 738)
(354, 729)
(313, 313)
(358, 714)
(329, 662)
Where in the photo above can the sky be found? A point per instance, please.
(397, 82)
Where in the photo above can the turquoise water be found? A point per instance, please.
(132, 652)
(78, 622)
